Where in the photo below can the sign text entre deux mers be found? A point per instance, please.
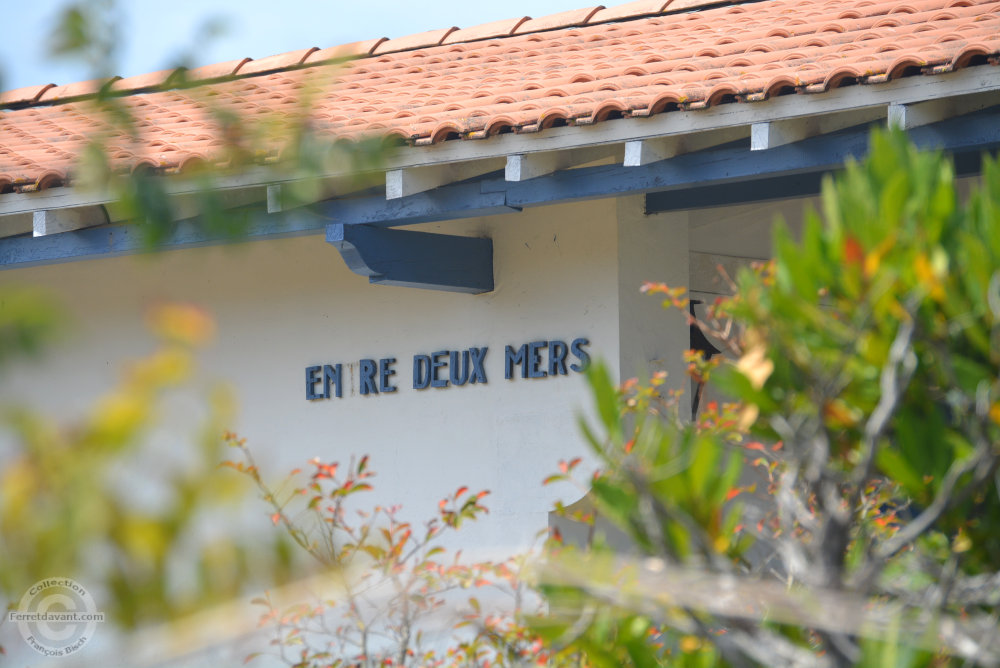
(451, 368)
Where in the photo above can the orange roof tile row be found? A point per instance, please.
(521, 75)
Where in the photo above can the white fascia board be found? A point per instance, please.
(908, 91)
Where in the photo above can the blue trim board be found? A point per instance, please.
(117, 240)
(415, 259)
(715, 167)
(781, 171)
(464, 200)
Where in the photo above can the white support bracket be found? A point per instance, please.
(908, 116)
(412, 180)
(274, 199)
(645, 151)
(524, 166)
(778, 133)
(54, 221)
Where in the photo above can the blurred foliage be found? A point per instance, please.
(391, 593)
(855, 466)
(866, 418)
(63, 506)
(29, 319)
(68, 490)
(280, 146)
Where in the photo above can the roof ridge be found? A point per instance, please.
(181, 77)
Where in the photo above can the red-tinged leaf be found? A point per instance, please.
(250, 657)
(442, 503)
(555, 477)
(295, 472)
(460, 491)
(738, 528)
(563, 466)
(853, 252)
(652, 288)
(733, 493)
(363, 464)
(481, 582)
(482, 494)
(777, 446)
(275, 518)
(573, 463)
(628, 446)
(755, 446)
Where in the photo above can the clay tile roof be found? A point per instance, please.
(630, 10)
(149, 80)
(278, 62)
(587, 66)
(24, 95)
(74, 90)
(574, 17)
(216, 70)
(352, 50)
(418, 41)
(486, 30)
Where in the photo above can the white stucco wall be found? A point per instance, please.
(281, 306)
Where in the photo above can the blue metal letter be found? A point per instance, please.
(534, 365)
(577, 349)
(557, 357)
(477, 356)
(332, 374)
(312, 377)
(435, 365)
(421, 372)
(510, 358)
(367, 374)
(456, 377)
(386, 370)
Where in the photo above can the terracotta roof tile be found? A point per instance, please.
(486, 30)
(418, 41)
(216, 70)
(73, 90)
(681, 5)
(629, 10)
(278, 62)
(582, 67)
(149, 80)
(24, 95)
(352, 50)
(574, 17)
